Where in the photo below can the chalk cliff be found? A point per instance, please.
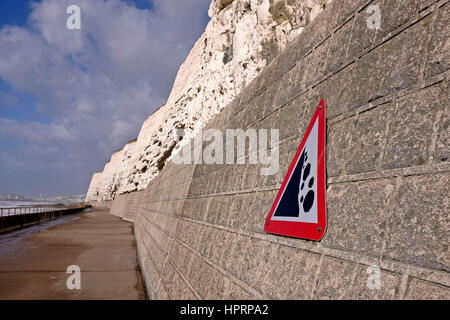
(242, 37)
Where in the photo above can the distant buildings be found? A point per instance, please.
(11, 197)
(72, 198)
(64, 199)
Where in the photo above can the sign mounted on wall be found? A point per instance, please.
(299, 209)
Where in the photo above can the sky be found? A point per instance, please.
(70, 98)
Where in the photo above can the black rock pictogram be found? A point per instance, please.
(306, 196)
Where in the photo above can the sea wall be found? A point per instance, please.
(127, 206)
(14, 222)
(200, 228)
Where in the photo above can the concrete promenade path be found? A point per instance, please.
(34, 261)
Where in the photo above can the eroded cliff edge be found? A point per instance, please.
(241, 39)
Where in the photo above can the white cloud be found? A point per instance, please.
(97, 84)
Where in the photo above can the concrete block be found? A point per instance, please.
(424, 290)
(169, 279)
(261, 81)
(219, 210)
(181, 257)
(442, 150)
(339, 142)
(368, 76)
(321, 60)
(308, 75)
(238, 176)
(259, 106)
(334, 278)
(275, 67)
(403, 58)
(336, 97)
(235, 292)
(247, 117)
(188, 207)
(369, 135)
(343, 9)
(201, 209)
(439, 54)
(394, 14)
(194, 187)
(291, 117)
(199, 170)
(230, 180)
(298, 74)
(285, 92)
(252, 268)
(195, 272)
(215, 288)
(208, 283)
(269, 180)
(357, 216)
(271, 121)
(410, 131)
(389, 286)
(270, 94)
(303, 272)
(259, 209)
(236, 254)
(221, 179)
(252, 175)
(189, 233)
(239, 212)
(318, 30)
(175, 285)
(235, 106)
(218, 239)
(206, 244)
(419, 228)
(162, 294)
(229, 242)
(287, 153)
(337, 49)
(362, 38)
(291, 274)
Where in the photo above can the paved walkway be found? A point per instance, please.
(33, 261)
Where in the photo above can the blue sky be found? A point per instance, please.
(14, 12)
(17, 105)
(69, 98)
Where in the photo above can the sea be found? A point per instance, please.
(25, 203)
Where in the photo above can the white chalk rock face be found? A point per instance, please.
(105, 185)
(242, 37)
(93, 193)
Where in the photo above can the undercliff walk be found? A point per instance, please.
(34, 263)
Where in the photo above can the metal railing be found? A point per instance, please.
(6, 212)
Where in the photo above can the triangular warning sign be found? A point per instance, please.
(299, 209)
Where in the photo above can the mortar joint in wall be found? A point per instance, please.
(434, 12)
(402, 287)
(352, 281)
(393, 205)
(384, 142)
(434, 136)
(316, 276)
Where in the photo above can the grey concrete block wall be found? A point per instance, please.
(199, 228)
